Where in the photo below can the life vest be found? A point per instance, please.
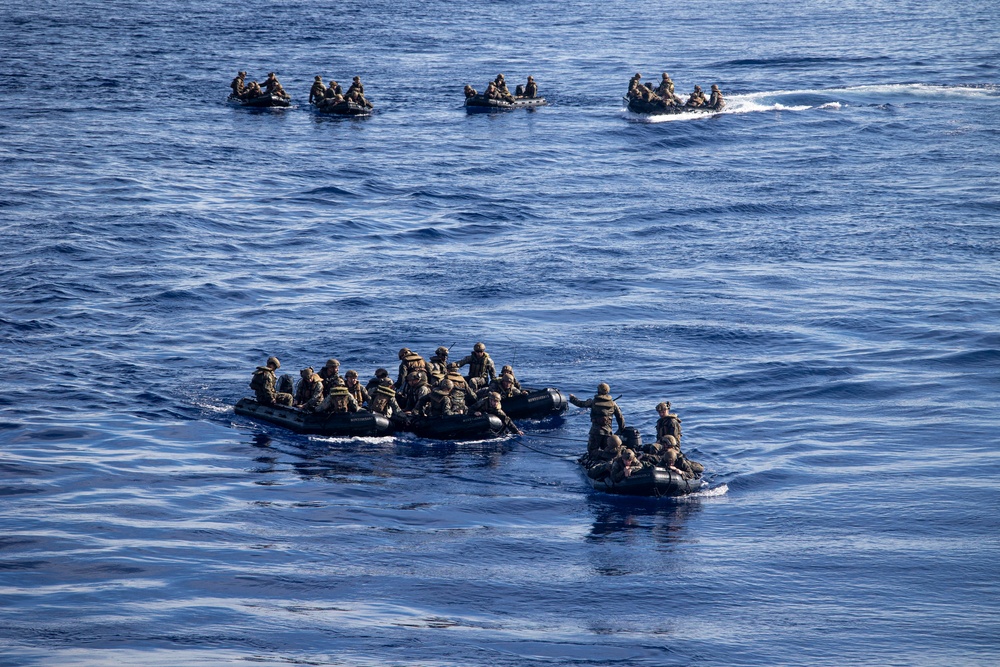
(259, 380)
(380, 400)
(603, 410)
(339, 398)
(477, 367)
(414, 362)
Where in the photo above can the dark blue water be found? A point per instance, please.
(811, 278)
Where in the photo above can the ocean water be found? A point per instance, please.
(810, 277)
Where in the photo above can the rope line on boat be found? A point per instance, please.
(542, 451)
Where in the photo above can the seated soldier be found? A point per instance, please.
(309, 392)
(380, 374)
(436, 403)
(697, 98)
(491, 405)
(624, 465)
(531, 88)
(501, 86)
(383, 400)
(463, 395)
(633, 83)
(338, 400)
(437, 367)
(329, 373)
(262, 382)
(253, 90)
(409, 361)
(491, 92)
(509, 370)
(318, 91)
(238, 86)
(716, 102)
(668, 438)
(415, 389)
(359, 393)
(504, 387)
(273, 87)
(470, 91)
(666, 88)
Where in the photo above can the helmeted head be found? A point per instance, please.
(697, 89)
(637, 76)
(319, 78)
(444, 387)
(381, 373)
(351, 377)
(530, 78)
(612, 442)
(628, 456)
(241, 74)
(385, 382)
(669, 440)
(603, 389)
(273, 363)
(306, 373)
(357, 79)
(441, 352)
(499, 77)
(715, 87)
(452, 366)
(270, 75)
(663, 407)
(404, 352)
(507, 370)
(666, 77)
(495, 398)
(506, 379)
(479, 347)
(332, 364)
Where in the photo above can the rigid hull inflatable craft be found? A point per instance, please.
(311, 423)
(480, 102)
(658, 108)
(262, 101)
(367, 424)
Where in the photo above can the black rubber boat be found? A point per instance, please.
(458, 427)
(636, 105)
(344, 108)
(650, 481)
(349, 424)
(536, 404)
(262, 101)
(482, 103)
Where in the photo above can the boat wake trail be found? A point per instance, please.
(837, 98)
(711, 492)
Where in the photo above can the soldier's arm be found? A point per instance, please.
(589, 403)
(619, 417)
(491, 367)
(465, 361)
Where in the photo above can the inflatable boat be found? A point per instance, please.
(344, 108)
(650, 481)
(457, 427)
(483, 103)
(361, 423)
(636, 105)
(536, 404)
(262, 101)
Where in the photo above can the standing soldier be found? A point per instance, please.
(318, 91)
(263, 382)
(309, 392)
(481, 368)
(602, 409)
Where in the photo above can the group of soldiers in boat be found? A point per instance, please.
(497, 90)
(664, 95)
(422, 389)
(327, 96)
(436, 388)
(608, 456)
(248, 91)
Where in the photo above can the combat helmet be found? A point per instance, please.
(603, 388)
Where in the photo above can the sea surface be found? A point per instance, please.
(811, 278)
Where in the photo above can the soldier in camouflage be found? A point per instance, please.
(409, 361)
(491, 404)
(383, 400)
(339, 401)
(437, 368)
(415, 389)
(330, 373)
(309, 391)
(437, 402)
(481, 368)
(463, 395)
(359, 393)
(262, 382)
(602, 409)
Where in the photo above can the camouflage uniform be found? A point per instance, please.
(380, 374)
(716, 102)
(239, 89)
(309, 392)
(508, 391)
(383, 401)
(531, 88)
(462, 394)
(318, 91)
(491, 404)
(263, 382)
(470, 91)
(666, 88)
(436, 403)
(602, 409)
(272, 86)
(330, 374)
(339, 401)
(414, 391)
(408, 363)
(359, 393)
(437, 368)
(697, 98)
(481, 368)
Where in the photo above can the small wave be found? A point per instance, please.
(710, 492)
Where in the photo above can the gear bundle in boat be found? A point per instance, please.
(480, 102)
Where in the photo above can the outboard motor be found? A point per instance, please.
(631, 438)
